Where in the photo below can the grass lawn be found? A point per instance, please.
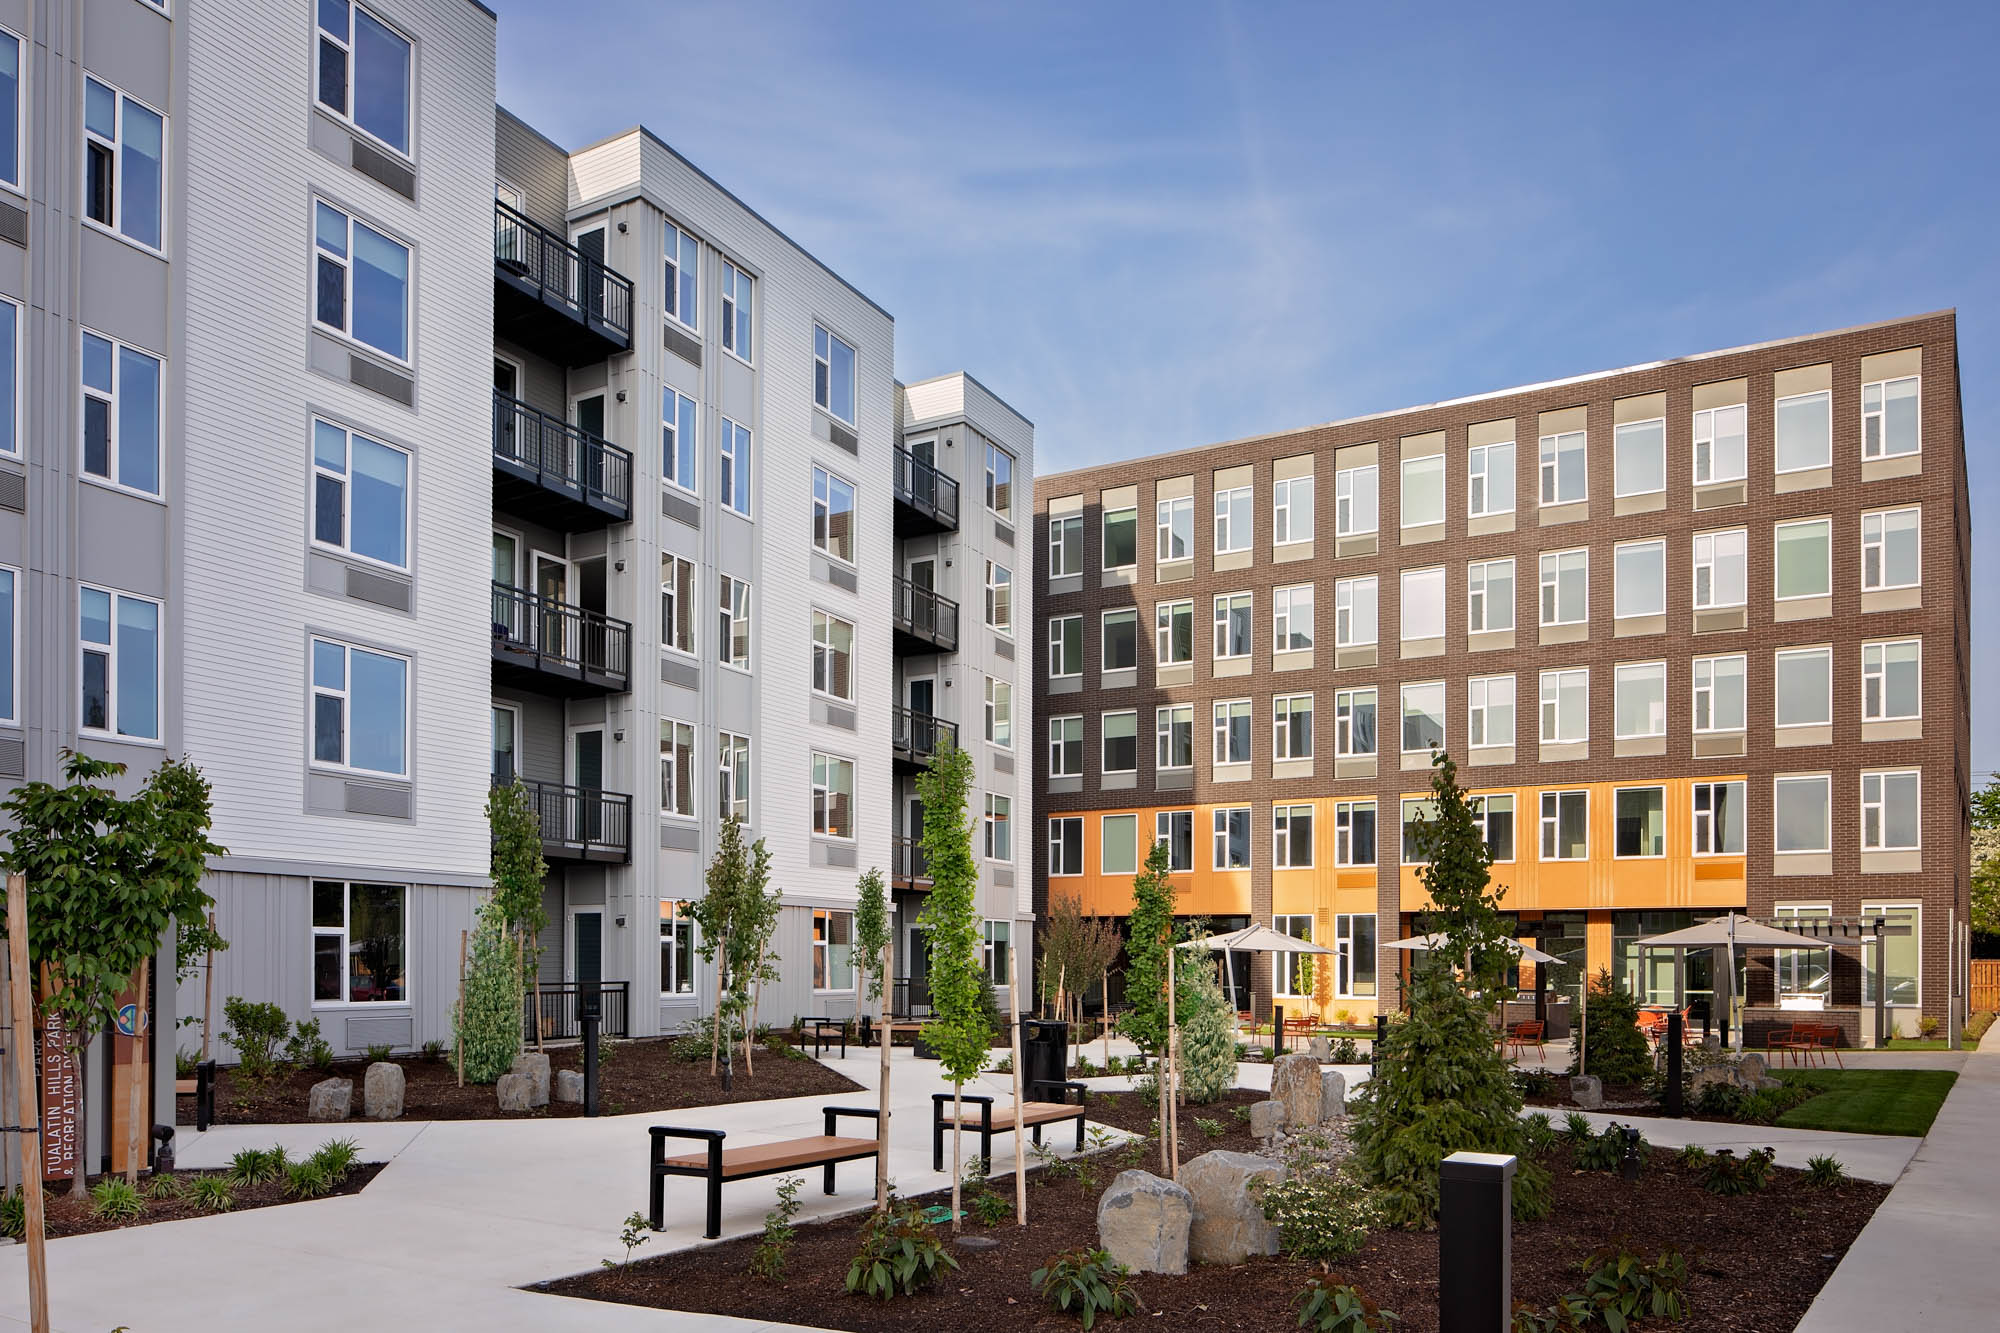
(1918, 1044)
(1869, 1101)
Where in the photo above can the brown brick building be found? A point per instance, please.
(1696, 630)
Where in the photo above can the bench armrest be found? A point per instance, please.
(661, 1133)
(835, 1112)
(944, 1098)
(1062, 1088)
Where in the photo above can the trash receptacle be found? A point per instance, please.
(1044, 1053)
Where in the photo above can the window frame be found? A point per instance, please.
(1164, 722)
(1879, 804)
(824, 512)
(1880, 544)
(1003, 975)
(1556, 675)
(1061, 527)
(999, 713)
(1618, 551)
(1422, 463)
(1698, 817)
(1349, 587)
(684, 425)
(1778, 659)
(347, 260)
(1712, 563)
(688, 598)
(1124, 513)
(1104, 619)
(1104, 823)
(1616, 793)
(1226, 505)
(1163, 616)
(10, 625)
(1284, 616)
(824, 793)
(1225, 620)
(823, 361)
(1163, 831)
(1704, 432)
(1059, 846)
(1104, 739)
(1348, 950)
(679, 305)
(1880, 672)
(993, 483)
(1344, 816)
(734, 765)
(824, 650)
(1284, 815)
(345, 548)
(1480, 467)
(1346, 703)
(1618, 433)
(1825, 524)
(1482, 813)
(740, 609)
(1479, 709)
(1058, 643)
(1881, 413)
(110, 649)
(1285, 966)
(1695, 665)
(1549, 457)
(1618, 673)
(1479, 586)
(823, 945)
(999, 598)
(1403, 714)
(1777, 442)
(733, 451)
(1347, 479)
(17, 184)
(1405, 580)
(737, 314)
(673, 927)
(1170, 515)
(1550, 587)
(117, 146)
(671, 761)
(996, 825)
(114, 409)
(1221, 822)
(1550, 823)
(14, 366)
(1284, 501)
(1059, 742)
(1285, 727)
(1825, 783)
(1222, 729)
(345, 42)
(344, 933)
(1425, 810)
(345, 693)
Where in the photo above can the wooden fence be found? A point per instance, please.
(1985, 984)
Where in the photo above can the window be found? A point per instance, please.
(1121, 538)
(1354, 501)
(1565, 825)
(999, 597)
(1639, 571)
(1120, 741)
(1066, 845)
(1801, 813)
(1176, 829)
(361, 284)
(1718, 818)
(358, 943)
(1565, 706)
(1173, 534)
(1417, 811)
(677, 950)
(1890, 418)
(999, 712)
(124, 163)
(677, 779)
(832, 795)
(1902, 955)
(1890, 811)
(1118, 850)
(1175, 624)
(1292, 511)
(1119, 640)
(360, 495)
(734, 624)
(833, 375)
(999, 825)
(1719, 569)
(1423, 490)
(733, 775)
(1066, 746)
(1804, 562)
(1293, 974)
(1232, 625)
(1354, 955)
(120, 638)
(1354, 723)
(1233, 531)
(833, 656)
(10, 347)
(121, 415)
(360, 707)
(1489, 715)
(1174, 736)
(1490, 480)
(1495, 817)
(1232, 838)
(1640, 702)
(1890, 549)
(680, 463)
(1423, 716)
(1805, 432)
(1892, 680)
(1719, 452)
(1566, 586)
(1563, 471)
(1000, 482)
(1718, 693)
(1489, 593)
(833, 519)
(833, 950)
(738, 296)
(1802, 971)
(735, 480)
(1292, 726)
(10, 110)
(1354, 612)
(996, 951)
(10, 643)
(683, 273)
(677, 604)
(1065, 646)
(1292, 618)
(364, 72)
(1423, 603)
(1639, 820)
(1354, 833)
(1292, 838)
(1232, 731)
(1065, 545)
(1803, 688)
(1639, 458)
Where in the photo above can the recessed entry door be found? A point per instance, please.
(590, 286)
(551, 584)
(586, 775)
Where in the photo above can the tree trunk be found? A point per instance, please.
(882, 1100)
(1014, 1048)
(715, 1028)
(957, 1167)
(750, 1027)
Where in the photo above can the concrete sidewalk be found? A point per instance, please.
(1925, 1260)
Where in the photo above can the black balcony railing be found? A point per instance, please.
(541, 640)
(926, 499)
(582, 823)
(554, 465)
(919, 735)
(563, 1005)
(592, 301)
(924, 621)
(910, 865)
(910, 997)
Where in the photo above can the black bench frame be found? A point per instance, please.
(940, 1101)
(825, 1030)
(659, 1169)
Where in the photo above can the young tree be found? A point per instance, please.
(1150, 933)
(959, 1032)
(1322, 990)
(726, 918)
(1455, 858)
(1077, 950)
(486, 1022)
(518, 868)
(1618, 1051)
(872, 941)
(1208, 1033)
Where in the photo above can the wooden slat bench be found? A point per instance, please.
(718, 1163)
(979, 1113)
(887, 1031)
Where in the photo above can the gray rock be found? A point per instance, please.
(1587, 1091)
(1713, 1076)
(1332, 1095)
(1143, 1222)
(1266, 1119)
(516, 1093)
(1295, 1084)
(535, 1064)
(330, 1099)
(1322, 1050)
(382, 1091)
(1229, 1225)
(569, 1085)
(1753, 1074)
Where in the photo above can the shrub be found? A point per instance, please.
(486, 1021)
(767, 1260)
(1570, 1314)
(1538, 1133)
(13, 1215)
(380, 1051)
(900, 1254)
(113, 1200)
(1086, 1283)
(1604, 1151)
(432, 1051)
(1345, 1052)
(1005, 1064)
(1620, 1288)
(308, 1179)
(694, 1041)
(1208, 1036)
(256, 1030)
(257, 1166)
(1214, 1129)
(1929, 1026)
(187, 1063)
(165, 1187)
(1692, 1156)
(1615, 1049)
(1719, 1099)
(1725, 1174)
(1976, 1026)
(1535, 1082)
(1083, 1068)
(1329, 1307)
(1577, 1129)
(1322, 1208)
(337, 1157)
(632, 1233)
(1825, 1171)
(212, 1194)
(307, 1048)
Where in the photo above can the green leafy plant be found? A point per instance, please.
(1824, 1171)
(1613, 1049)
(1570, 1314)
(433, 1051)
(767, 1259)
(1605, 1150)
(900, 1254)
(13, 1214)
(486, 1020)
(1538, 1133)
(1322, 1208)
(1150, 932)
(1087, 1284)
(115, 1200)
(1208, 1034)
(959, 1032)
(632, 1233)
(257, 1166)
(1214, 1129)
(379, 1051)
(1345, 1052)
(165, 1187)
(1928, 1026)
(1692, 1156)
(1726, 1174)
(1535, 1082)
(1577, 1128)
(212, 1194)
(981, 1199)
(337, 1157)
(518, 869)
(733, 920)
(1004, 1065)
(258, 1031)
(1326, 1306)
(308, 1179)
(1621, 1288)
(307, 1049)
(187, 1063)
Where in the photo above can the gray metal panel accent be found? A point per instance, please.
(384, 1031)
(833, 854)
(1003, 648)
(13, 490)
(844, 437)
(1064, 685)
(833, 715)
(1118, 781)
(679, 837)
(1060, 786)
(1003, 877)
(1174, 779)
(380, 379)
(681, 345)
(673, 671)
(13, 757)
(1003, 763)
(1003, 533)
(380, 589)
(379, 166)
(363, 798)
(13, 224)
(680, 509)
(838, 575)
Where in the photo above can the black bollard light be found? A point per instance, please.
(1675, 1036)
(1475, 1242)
(1628, 1165)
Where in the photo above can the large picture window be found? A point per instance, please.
(121, 415)
(120, 639)
(361, 282)
(360, 708)
(833, 375)
(1354, 955)
(363, 75)
(124, 163)
(677, 950)
(359, 941)
(361, 495)
(833, 950)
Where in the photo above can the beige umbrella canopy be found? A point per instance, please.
(1731, 932)
(1253, 939)
(1527, 951)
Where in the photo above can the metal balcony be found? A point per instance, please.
(582, 823)
(926, 499)
(924, 622)
(552, 647)
(551, 297)
(558, 474)
(918, 738)
(910, 868)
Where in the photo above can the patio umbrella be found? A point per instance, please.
(1527, 951)
(1253, 939)
(1729, 933)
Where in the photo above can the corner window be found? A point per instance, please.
(360, 709)
(1489, 595)
(1354, 612)
(364, 73)
(1494, 815)
(999, 598)
(734, 482)
(1355, 501)
(1354, 724)
(833, 375)
(1233, 524)
(1292, 726)
(1118, 844)
(1640, 705)
(1423, 603)
(733, 646)
(1066, 845)
(733, 775)
(1720, 453)
(1176, 829)
(999, 712)
(1804, 560)
(1174, 734)
(1891, 418)
(1720, 578)
(1804, 432)
(682, 291)
(361, 282)
(833, 656)
(11, 119)
(124, 163)
(1292, 618)
(1119, 640)
(1639, 458)
(1423, 716)
(1066, 746)
(833, 516)
(1354, 833)
(677, 950)
(1891, 549)
(738, 298)
(1801, 813)
(1639, 821)
(833, 950)
(1802, 688)
(1639, 571)
(359, 936)
(1174, 622)
(361, 495)
(996, 951)
(1718, 693)
(1121, 538)
(1892, 680)
(1423, 490)
(1292, 510)
(1232, 732)
(120, 639)
(1564, 476)
(1718, 818)
(10, 644)
(999, 828)
(1489, 711)
(1232, 625)
(1065, 646)
(677, 603)
(1120, 741)
(1566, 706)
(1232, 838)
(121, 415)
(1566, 586)
(832, 795)
(1065, 545)
(1000, 482)
(1891, 811)
(1489, 480)
(677, 779)
(680, 441)
(1173, 534)
(1565, 825)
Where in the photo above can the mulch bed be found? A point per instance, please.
(641, 1075)
(1756, 1261)
(71, 1217)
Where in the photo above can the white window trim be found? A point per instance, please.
(1618, 611)
(1347, 476)
(1480, 815)
(671, 253)
(19, 186)
(1696, 565)
(346, 118)
(727, 764)
(1163, 831)
(694, 610)
(1886, 644)
(1544, 819)
(1375, 629)
(1163, 723)
(1104, 637)
(1659, 787)
(738, 500)
(820, 326)
(727, 336)
(1058, 525)
(1057, 742)
(991, 715)
(1883, 515)
(347, 262)
(1696, 436)
(1443, 689)
(1776, 406)
(346, 693)
(1404, 601)
(1285, 978)
(1487, 602)
(1164, 513)
(1219, 722)
(1055, 646)
(1425, 816)
(1825, 781)
(1883, 385)
(748, 619)
(1665, 689)
(1346, 810)
(1281, 503)
(1552, 466)
(1486, 707)
(825, 946)
(813, 791)
(1281, 725)
(1163, 633)
(694, 780)
(987, 823)
(1225, 612)
(1811, 650)
(1618, 490)
(115, 229)
(991, 479)
(1694, 821)
(1104, 533)
(1104, 739)
(1486, 470)
(17, 370)
(1882, 773)
(114, 413)
(344, 931)
(1544, 582)
(1403, 476)
(1694, 683)
(992, 585)
(1055, 823)
(1884, 907)
(1219, 838)
(681, 446)
(346, 548)
(674, 918)
(817, 616)
(1541, 690)
(854, 515)
(1351, 697)
(1225, 503)
(1104, 844)
(1282, 608)
(1776, 528)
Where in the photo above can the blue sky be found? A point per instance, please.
(1156, 226)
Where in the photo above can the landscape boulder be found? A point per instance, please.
(382, 1091)
(1266, 1119)
(330, 1099)
(535, 1064)
(1143, 1222)
(516, 1093)
(1229, 1225)
(1587, 1091)
(568, 1085)
(1295, 1086)
(1332, 1095)
(1322, 1049)
(1752, 1073)
(1713, 1076)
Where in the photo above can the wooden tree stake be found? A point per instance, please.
(136, 1130)
(23, 1042)
(1014, 1046)
(457, 1043)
